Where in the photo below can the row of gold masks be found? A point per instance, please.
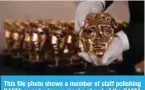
(39, 36)
(44, 39)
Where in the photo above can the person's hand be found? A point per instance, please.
(85, 8)
(89, 58)
(113, 52)
(117, 46)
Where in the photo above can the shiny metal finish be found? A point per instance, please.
(97, 33)
(55, 40)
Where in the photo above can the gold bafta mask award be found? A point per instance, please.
(97, 33)
(8, 34)
(63, 42)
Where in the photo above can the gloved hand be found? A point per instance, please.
(118, 45)
(114, 51)
(85, 8)
(89, 58)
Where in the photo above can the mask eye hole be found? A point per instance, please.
(106, 30)
(85, 30)
(88, 32)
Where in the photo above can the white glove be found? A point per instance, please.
(114, 51)
(89, 58)
(85, 8)
(116, 48)
(118, 45)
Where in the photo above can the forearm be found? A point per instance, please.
(107, 4)
(135, 35)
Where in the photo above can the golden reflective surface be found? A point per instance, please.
(39, 40)
(55, 40)
(98, 32)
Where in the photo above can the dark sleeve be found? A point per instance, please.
(135, 34)
(108, 3)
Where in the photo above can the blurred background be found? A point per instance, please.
(60, 10)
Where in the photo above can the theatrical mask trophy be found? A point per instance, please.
(28, 42)
(34, 40)
(41, 40)
(97, 34)
(8, 34)
(56, 36)
(69, 43)
(46, 48)
(18, 37)
(63, 42)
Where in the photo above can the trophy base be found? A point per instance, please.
(66, 69)
(5, 59)
(45, 67)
